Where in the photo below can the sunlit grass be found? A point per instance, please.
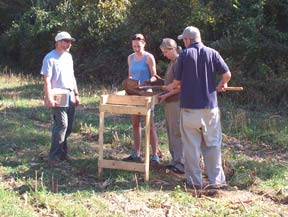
(12, 205)
(255, 141)
(257, 126)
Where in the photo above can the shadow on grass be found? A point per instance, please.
(82, 175)
(29, 91)
(27, 153)
(26, 142)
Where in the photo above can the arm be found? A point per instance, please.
(76, 92)
(129, 73)
(224, 81)
(163, 97)
(174, 85)
(48, 99)
(152, 67)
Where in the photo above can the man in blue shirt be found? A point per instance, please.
(200, 125)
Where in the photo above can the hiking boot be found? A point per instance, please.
(133, 158)
(155, 159)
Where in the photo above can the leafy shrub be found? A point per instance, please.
(251, 35)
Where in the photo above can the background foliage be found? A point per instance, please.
(251, 35)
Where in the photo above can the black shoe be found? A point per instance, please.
(194, 187)
(174, 169)
(216, 186)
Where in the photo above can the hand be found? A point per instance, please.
(168, 87)
(163, 97)
(221, 87)
(50, 102)
(77, 100)
(153, 79)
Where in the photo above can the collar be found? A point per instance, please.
(196, 44)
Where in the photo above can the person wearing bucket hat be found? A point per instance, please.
(58, 73)
(170, 100)
(142, 67)
(200, 125)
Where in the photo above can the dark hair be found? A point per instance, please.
(138, 37)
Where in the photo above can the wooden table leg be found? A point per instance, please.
(147, 144)
(101, 132)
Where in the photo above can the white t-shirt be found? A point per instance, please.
(59, 67)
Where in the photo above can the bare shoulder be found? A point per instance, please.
(150, 57)
(130, 55)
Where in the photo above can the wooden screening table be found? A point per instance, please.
(120, 103)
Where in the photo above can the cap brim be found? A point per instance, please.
(180, 37)
(71, 39)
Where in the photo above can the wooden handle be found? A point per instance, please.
(152, 87)
(162, 87)
(233, 88)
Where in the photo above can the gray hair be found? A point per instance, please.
(169, 43)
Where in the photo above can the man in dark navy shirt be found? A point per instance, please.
(196, 71)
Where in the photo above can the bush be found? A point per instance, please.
(251, 35)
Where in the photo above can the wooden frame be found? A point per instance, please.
(120, 103)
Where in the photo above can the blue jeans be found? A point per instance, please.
(62, 128)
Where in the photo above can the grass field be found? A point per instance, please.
(254, 154)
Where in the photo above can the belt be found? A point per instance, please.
(67, 89)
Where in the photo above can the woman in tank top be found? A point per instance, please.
(142, 67)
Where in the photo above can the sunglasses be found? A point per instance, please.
(138, 38)
(67, 40)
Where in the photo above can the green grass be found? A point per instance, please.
(12, 205)
(255, 154)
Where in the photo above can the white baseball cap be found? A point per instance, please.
(63, 35)
(190, 32)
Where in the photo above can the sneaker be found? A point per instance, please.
(133, 158)
(160, 154)
(155, 159)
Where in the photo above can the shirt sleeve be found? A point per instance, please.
(221, 66)
(178, 68)
(46, 68)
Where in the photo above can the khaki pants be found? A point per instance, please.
(172, 116)
(201, 134)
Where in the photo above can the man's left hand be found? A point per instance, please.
(77, 100)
